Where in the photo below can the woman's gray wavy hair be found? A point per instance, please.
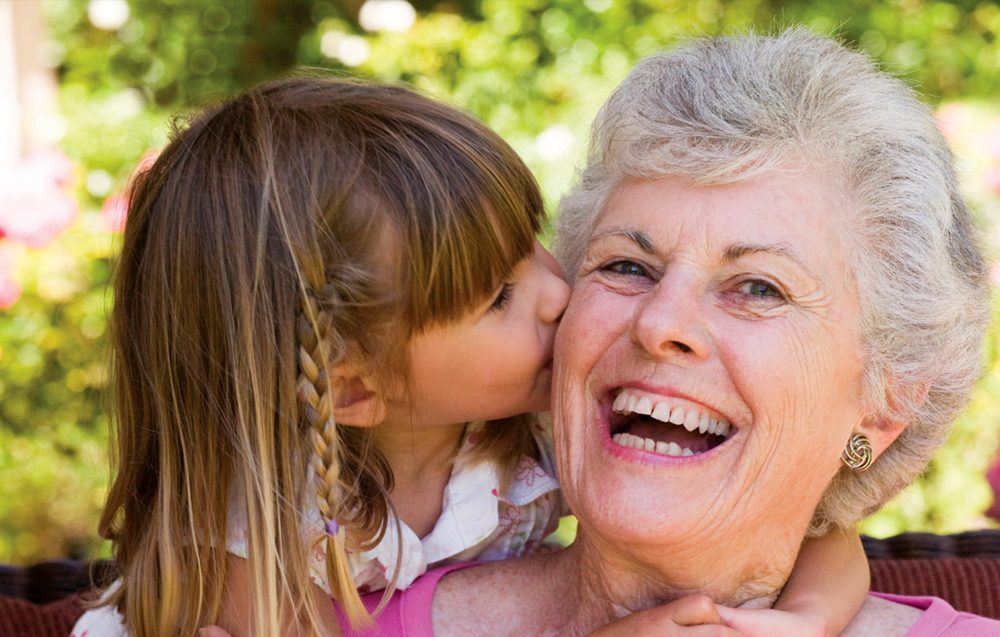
(729, 109)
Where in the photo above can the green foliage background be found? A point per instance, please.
(523, 66)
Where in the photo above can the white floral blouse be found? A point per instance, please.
(477, 521)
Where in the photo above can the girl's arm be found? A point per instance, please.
(690, 616)
(237, 607)
(825, 591)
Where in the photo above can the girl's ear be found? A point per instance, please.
(357, 402)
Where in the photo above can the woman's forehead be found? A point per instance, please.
(796, 216)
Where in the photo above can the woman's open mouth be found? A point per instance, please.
(665, 425)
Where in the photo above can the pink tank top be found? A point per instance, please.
(941, 620)
(408, 613)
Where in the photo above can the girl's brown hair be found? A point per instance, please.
(293, 224)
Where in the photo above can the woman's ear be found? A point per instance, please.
(882, 431)
(357, 401)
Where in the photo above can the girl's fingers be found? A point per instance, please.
(767, 621)
(691, 616)
(692, 610)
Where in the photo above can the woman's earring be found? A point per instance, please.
(858, 452)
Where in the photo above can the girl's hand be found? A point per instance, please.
(690, 616)
(765, 622)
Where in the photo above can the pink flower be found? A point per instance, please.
(35, 205)
(114, 211)
(951, 118)
(528, 471)
(995, 275)
(993, 180)
(991, 142)
(10, 290)
(147, 160)
(993, 478)
(510, 518)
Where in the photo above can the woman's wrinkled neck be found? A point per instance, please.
(613, 585)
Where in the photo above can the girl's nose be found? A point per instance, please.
(545, 257)
(555, 291)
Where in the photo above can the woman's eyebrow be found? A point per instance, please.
(638, 237)
(739, 250)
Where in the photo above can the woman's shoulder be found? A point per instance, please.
(471, 600)
(917, 617)
(509, 597)
(880, 616)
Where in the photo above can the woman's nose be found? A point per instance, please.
(668, 324)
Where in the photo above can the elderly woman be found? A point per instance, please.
(778, 311)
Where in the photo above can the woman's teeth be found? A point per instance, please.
(648, 444)
(668, 411)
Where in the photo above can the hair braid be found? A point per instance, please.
(387, 211)
(316, 398)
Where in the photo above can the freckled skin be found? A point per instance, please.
(769, 338)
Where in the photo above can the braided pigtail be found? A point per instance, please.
(302, 224)
(316, 398)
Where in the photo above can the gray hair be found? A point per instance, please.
(730, 109)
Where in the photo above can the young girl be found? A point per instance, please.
(330, 313)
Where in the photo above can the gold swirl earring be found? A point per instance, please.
(858, 452)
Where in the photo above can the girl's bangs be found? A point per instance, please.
(466, 238)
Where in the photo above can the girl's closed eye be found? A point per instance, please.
(502, 298)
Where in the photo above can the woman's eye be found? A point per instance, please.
(626, 268)
(761, 290)
(502, 298)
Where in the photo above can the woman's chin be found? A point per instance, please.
(636, 500)
(654, 496)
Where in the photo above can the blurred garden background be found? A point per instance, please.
(88, 90)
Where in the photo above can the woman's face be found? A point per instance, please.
(699, 309)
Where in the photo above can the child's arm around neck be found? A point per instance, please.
(823, 595)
